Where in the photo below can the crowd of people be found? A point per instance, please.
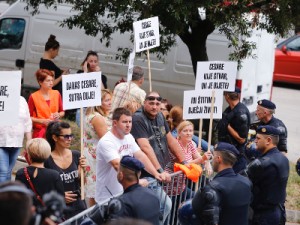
(132, 142)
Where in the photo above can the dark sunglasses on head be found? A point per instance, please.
(66, 136)
(152, 98)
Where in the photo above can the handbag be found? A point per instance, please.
(32, 187)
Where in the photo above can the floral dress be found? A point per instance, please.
(90, 144)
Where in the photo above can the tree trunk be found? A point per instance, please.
(195, 38)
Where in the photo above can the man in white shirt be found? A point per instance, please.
(111, 148)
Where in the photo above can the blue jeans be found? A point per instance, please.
(8, 157)
(165, 201)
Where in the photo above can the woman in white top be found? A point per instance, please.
(11, 140)
(97, 123)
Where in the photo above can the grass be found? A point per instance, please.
(293, 190)
(293, 187)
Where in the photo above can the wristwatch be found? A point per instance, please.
(183, 162)
(160, 170)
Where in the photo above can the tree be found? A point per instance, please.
(178, 17)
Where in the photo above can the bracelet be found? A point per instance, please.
(160, 170)
(183, 162)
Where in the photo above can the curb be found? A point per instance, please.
(292, 216)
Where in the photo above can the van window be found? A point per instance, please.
(11, 33)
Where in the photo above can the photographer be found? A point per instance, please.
(16, 204)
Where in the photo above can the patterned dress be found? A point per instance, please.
(90, 143)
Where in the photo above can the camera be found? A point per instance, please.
(54, 205)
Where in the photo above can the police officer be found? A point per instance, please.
(226, 199)
(234, 126)
(269, 174)
(264, 112)
(138, 202)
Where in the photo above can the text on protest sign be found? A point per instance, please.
(216, 75)
(81, 90)
(197, 104)
(10, 89)
(146, 34)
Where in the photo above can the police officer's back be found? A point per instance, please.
(138, 202)
(269, 174)
(225, 201)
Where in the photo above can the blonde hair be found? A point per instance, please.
(91, 110)
(182, 125)
(38, 149)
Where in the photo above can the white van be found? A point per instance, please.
(23, 37)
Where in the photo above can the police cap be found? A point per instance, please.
(132, 163)
(268, 130)
(223, 146)
(266, 104)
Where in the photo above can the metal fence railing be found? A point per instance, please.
(178, 190)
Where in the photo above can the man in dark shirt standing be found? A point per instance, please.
(234, 126)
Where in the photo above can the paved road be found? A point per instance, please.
(287, 100)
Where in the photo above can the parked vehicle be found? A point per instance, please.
(287, 61)
(23, 37)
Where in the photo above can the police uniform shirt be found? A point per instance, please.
(269, 185)
(140, 203)
(235, 196)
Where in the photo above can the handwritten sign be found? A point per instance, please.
(197, 104)
(10, 89)
(81, 90)
(216, 75)
(146, 34)
(130, 66)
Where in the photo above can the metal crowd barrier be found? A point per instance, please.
(176, 190)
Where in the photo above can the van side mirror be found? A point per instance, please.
(284, 49)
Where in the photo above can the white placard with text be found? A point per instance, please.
(197, 104)
(81, 90)
(216, 75)
(10, 90)
(146, 34)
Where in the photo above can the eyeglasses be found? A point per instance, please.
(152, 98)
(66, 136)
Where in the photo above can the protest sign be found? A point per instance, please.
(216, 75)
(146, 34)
(197, 104)
(81, 90)
(10, 90)
(130, 66)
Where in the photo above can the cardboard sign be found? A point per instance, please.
(216, 75)
(81, 90)
(10, 90)
(130, 66)
(197, 104)
(146, 34)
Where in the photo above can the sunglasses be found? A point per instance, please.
(66, 136)
(152, 98)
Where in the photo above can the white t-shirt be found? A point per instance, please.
(109, 148)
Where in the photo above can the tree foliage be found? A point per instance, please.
(181, 17)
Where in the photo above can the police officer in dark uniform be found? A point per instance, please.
(234, 126)
(264, 112)
(138, 202)
(269, 174)
(226, 199)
